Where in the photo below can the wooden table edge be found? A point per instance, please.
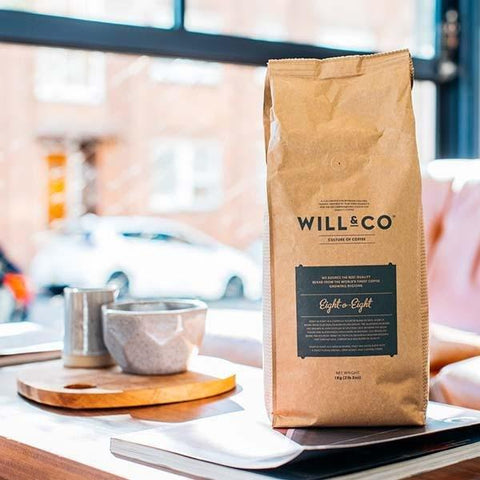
(20, 461)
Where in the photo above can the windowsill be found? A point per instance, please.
(234, 335)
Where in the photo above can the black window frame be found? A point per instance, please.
(454, 69)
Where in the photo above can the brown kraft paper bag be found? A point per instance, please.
(345, 307)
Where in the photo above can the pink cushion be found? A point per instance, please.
(454, 267)
(435, 197)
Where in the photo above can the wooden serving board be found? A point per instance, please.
(53, 384)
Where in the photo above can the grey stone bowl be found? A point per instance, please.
(153, 337)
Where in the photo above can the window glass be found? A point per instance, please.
(155, 13)
(350, 24)
(89, 182)
(102, 161)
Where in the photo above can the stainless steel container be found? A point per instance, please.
(83, 341)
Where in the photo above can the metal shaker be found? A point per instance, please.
(83, 340)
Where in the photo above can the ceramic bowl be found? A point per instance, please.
(154, 337)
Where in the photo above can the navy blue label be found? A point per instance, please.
(346, 311)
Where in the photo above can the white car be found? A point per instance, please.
(145, 257)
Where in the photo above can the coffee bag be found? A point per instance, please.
(345, 307)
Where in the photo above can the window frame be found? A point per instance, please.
(458, 96)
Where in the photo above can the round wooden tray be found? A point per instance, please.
(78, 388)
